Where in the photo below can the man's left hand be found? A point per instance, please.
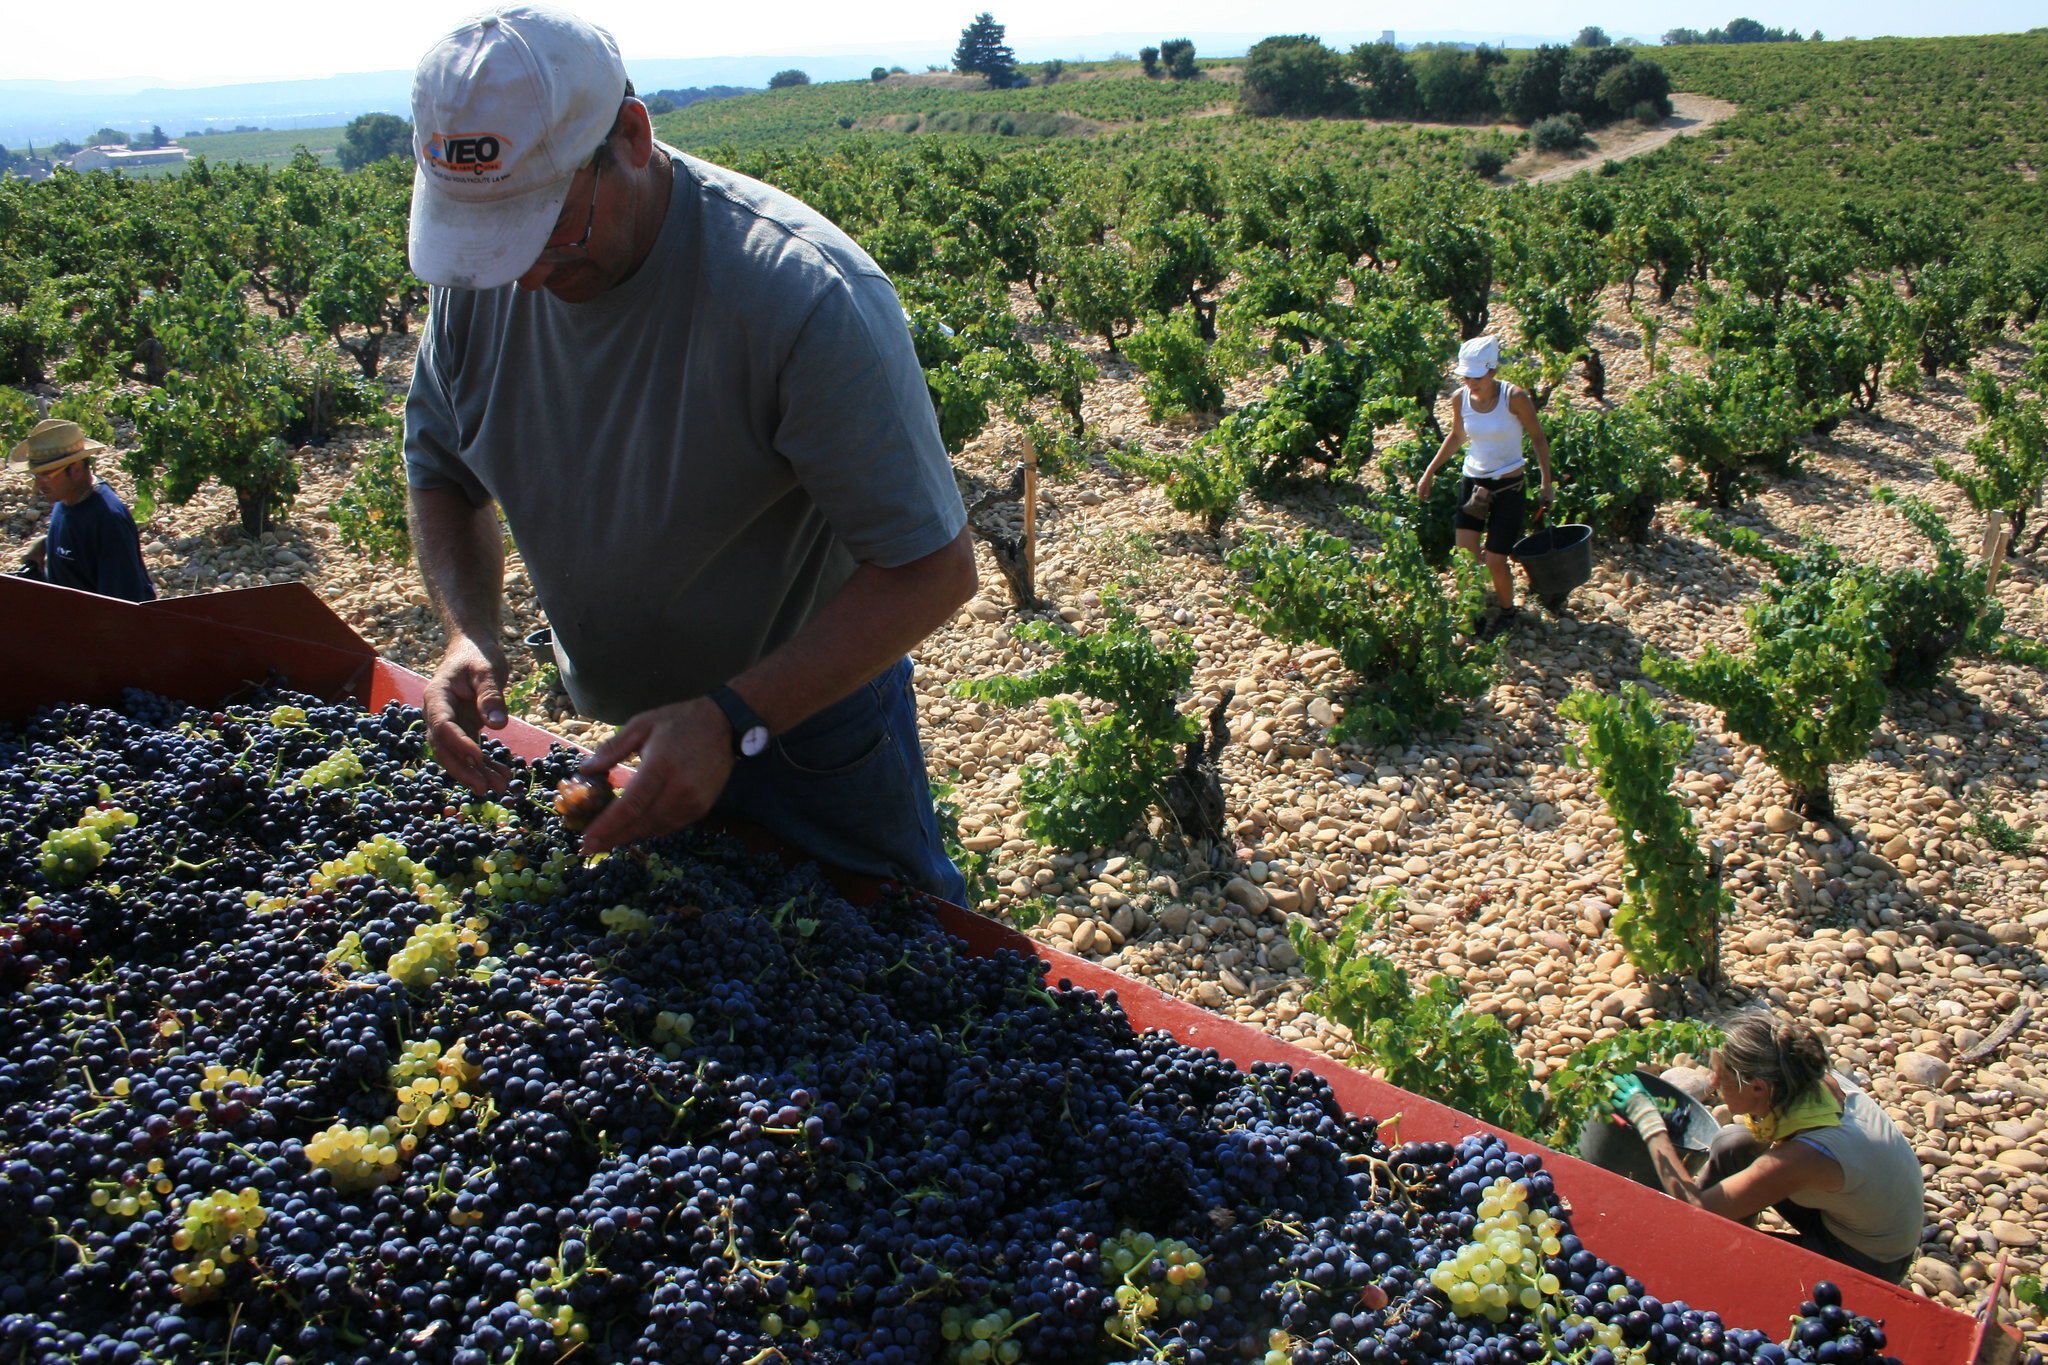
(685, 758)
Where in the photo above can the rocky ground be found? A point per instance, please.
(1899, 929)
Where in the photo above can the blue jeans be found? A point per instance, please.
(848, 787)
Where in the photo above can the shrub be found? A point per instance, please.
(1808, 694)
(1673, 902)
(1485, 160)
(1558, 133)
(1648, 114)
(1112, 769)
(2010, 455)
(1425, 1041)
(1635, 82)
(1178, 375)
(1204, 480)
(18, 416)
(1578, 1090)
(370, 513)
(784, 80)
(1294, 75)
(1610, 474)
(1398, 625)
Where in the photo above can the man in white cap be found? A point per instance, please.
(697, 404)
(92, 543)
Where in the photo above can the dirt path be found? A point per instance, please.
(1690, 114)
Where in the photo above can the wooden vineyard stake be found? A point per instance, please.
(1997, 537)
(1030, 518)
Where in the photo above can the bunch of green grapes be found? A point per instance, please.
(801, 1302)
(506, 877)
(386, 859)
(624, 919)
(216, 1078)
(133, 1194)
(359, 1158)
(339, 769)
(435, 950)
(974, 1337)
(70, 855)
(1155, 1277)
(484, 813)
(283, 716)
(1501, 1268)
(219, 1229)
(431, 1084)
(672, 1032)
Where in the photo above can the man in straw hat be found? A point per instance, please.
(697, 405)
(92, 542)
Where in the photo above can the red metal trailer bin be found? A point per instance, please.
(73, 646)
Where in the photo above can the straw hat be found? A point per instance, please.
(52, 445)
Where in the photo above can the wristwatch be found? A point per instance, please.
(749, 732)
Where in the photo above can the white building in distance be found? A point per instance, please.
(120, 158)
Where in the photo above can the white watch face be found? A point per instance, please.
(754, 741)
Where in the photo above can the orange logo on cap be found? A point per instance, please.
(467, 154)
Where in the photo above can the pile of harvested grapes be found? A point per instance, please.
(311, 1056)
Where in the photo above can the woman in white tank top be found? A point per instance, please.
(1489, 419)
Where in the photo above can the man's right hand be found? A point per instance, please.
(465, 696)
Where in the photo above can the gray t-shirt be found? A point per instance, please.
(694, 462)
(1879, 1209)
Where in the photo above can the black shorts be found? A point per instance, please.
(1503, 524)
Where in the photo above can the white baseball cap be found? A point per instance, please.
(1477, 357)
(505, 109)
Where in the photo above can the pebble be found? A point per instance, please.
(1923, 1069)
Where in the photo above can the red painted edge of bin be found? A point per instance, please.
(72, 646)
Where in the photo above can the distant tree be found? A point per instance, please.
(1683, 37)
(372, 137)
(1456, 85)
(1579, 90)
(1592, 35)
(1385, 84)
(1295, 75)
(783, 80)
(62, 148)
(983, 52)
(1177, 55)
(879, 74)
(1746, 31)
(151, 140)
(109, 137)
(660, 104)
(1148, 57)
(1528, 85)
(1635, 82)
(1051, 71)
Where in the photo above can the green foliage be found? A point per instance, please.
(1397, 624)
(1178, 374)
(1455, 84)
(32, 322)
(18, 416)
(372, 137)
(1423, 1041)
(1485, 159)
(983, 52)
(1204, 480)
(1177, 59)
(2027, 1290)
(1743, 417)
(1295, 76)
(977, 869)
(1610, 473)
(1385, 84)
(219, 412)
(1808, 693)
(784, 80)
(1673, 902)
(1113, 768)
(1098, 288)
(1993, 830)
(370, 513)
(1578, 1090)
(1448, 251)
(1921, 616)
(2010, 455)
(1558, 133)
(359, 293)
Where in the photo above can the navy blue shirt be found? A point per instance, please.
(95, 546)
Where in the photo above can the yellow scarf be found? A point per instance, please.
(1817, 1108)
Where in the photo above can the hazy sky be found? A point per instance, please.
(248, 40)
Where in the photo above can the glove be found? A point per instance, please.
(1632, 1100)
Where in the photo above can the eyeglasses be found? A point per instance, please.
(568, 251)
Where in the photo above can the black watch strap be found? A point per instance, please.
(750, 734)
